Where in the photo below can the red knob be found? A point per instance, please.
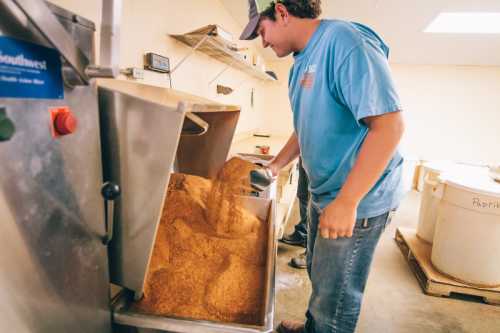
(65, 123)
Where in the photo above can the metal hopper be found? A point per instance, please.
(147, 132)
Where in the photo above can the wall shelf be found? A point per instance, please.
(208, 42)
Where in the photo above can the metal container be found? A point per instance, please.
(81, 30)
(127, 320)
(147, 132)
(141, 128)
(139, 142)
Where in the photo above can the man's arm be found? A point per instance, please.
(385, 132)
(287, 154)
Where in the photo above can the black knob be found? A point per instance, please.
(110, 191)
(7, 128)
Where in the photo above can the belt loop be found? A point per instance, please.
(365, 223)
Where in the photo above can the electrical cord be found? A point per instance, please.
(170, 79)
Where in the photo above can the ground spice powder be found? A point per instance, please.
(209, 256)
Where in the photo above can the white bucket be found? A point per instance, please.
(467, 233)
(429, 203)
(434, 168)
(429, 174)
(428, 209)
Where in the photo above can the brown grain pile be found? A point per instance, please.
(209, 256)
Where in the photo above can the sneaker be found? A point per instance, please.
(299, 261)
(290, 326)
(294, 239)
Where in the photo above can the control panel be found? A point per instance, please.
(156, 62)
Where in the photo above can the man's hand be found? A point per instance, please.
(275, 169)
(287, 154)
(338, 219)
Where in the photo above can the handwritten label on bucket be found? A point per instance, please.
(478, 203)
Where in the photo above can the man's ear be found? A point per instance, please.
(281, 13)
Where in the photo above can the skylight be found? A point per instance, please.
(466, 23)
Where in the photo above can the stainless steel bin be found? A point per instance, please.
(148, 131)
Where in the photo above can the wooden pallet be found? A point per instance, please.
(418, 255)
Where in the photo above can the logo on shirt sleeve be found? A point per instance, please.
(307, 79)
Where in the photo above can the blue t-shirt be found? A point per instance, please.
(339, 78)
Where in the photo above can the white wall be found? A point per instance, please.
(145, 28)
(451, 112)
(278, 115)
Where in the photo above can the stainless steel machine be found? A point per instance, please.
(53, 264)
(65, 131)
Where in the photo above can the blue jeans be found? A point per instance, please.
(338, 269)
(303, 196)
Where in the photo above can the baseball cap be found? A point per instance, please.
(255, 8)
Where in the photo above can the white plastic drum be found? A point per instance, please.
(428, 210)
(433, 169)
(467, 235)
(429, 175)
(429, 203)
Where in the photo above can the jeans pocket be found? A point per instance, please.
(373, 222)
(364, 225)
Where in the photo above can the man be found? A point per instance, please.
(348, 125)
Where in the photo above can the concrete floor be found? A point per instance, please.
(394, 301)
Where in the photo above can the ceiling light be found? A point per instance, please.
(466, 23)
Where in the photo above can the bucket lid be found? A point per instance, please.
(477, 181)
(447, 166)
(439, 166)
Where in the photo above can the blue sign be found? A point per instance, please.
(29, 71)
